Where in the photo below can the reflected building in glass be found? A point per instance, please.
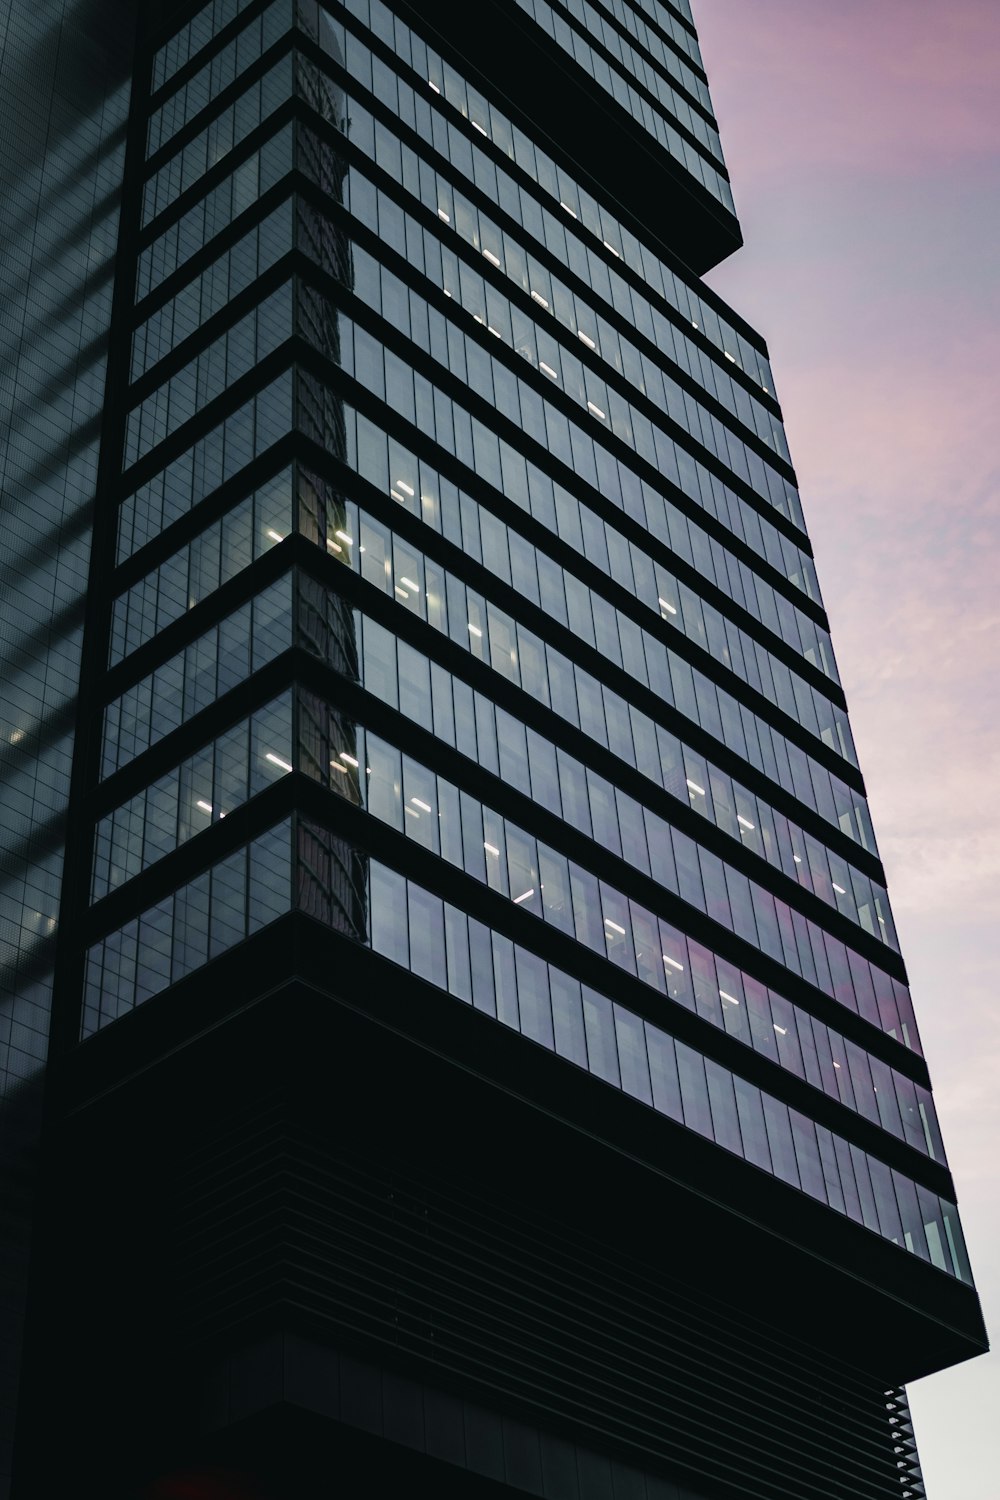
(479, 1052)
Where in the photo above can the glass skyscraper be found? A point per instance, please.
(458, 1036)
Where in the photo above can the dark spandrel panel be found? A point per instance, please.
(230, 274)
(232, 355)
(711, 792)
(249, 529)
(64, 87)
(222, 135)
(463, 224)
(228, 902)
(193, 38)
(673, 51)
(612, 91)
(641, 86)
(494, 636)
(682, 6)
(395, 470)
(185, 684)
(196, 794)
(661, 83)
(396, 383)
(186, 102)
(663, 1073)
(378, 141)
(235, 195)
(369, 772)
(495, 143)
(240, 437)
(669, 18)
(566, 336)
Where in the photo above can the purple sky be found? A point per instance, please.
(863, 139)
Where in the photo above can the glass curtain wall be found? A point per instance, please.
(406, 399)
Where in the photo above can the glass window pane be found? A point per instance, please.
(456, 941)
(753, 1129)
(388, 915)
(481, 958)
(567, 1018)
(533, 997)
(602, 1049)
(505, 980)
(632, 1055)
(779, 1137)
(722, 1099)
(663, 1073)
(694, 1090)
(426, 918)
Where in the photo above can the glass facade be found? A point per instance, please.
(554, 473)
(450, 593)
(65, 73)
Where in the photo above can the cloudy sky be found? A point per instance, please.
(863, 139)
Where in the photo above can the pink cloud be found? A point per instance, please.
(863, 137)
(853, 85)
